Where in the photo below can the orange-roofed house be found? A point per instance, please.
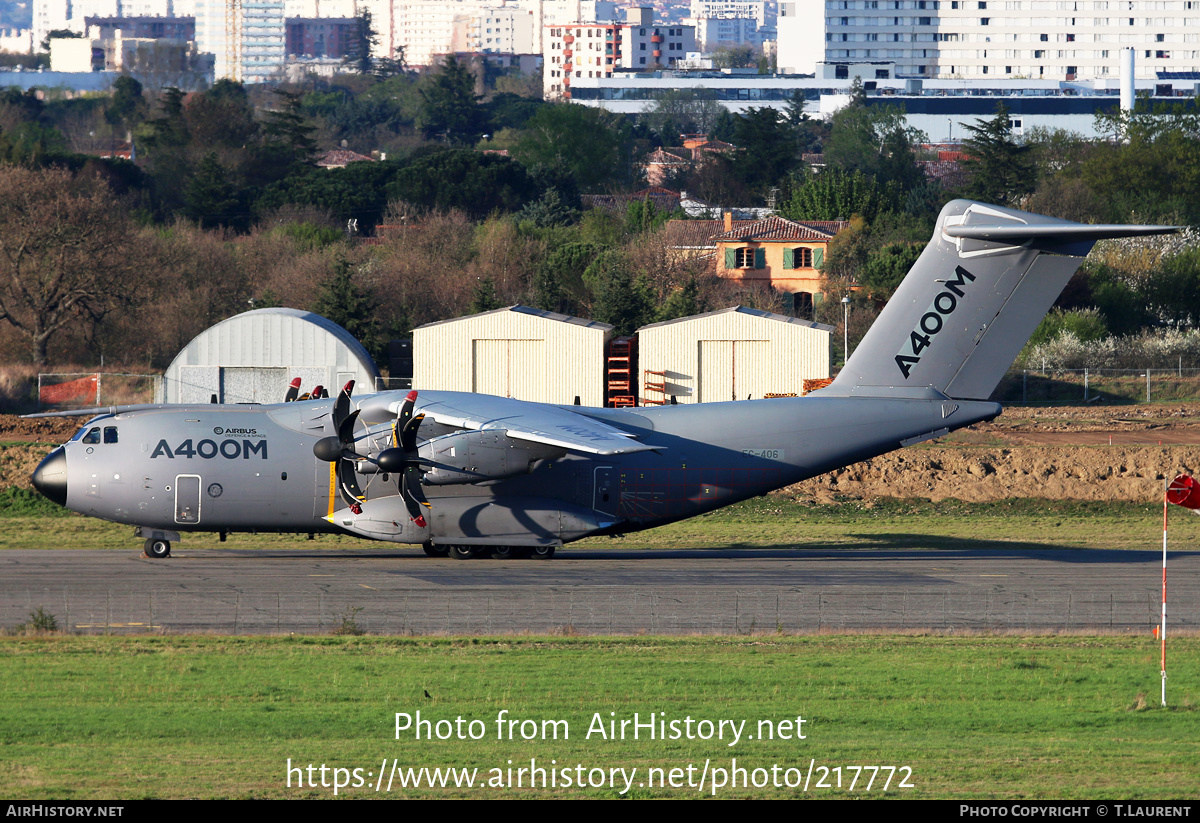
(784, 254)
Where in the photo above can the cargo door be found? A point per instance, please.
(605, 492)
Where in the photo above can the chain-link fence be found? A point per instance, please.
(389, 383)
(1099, 385)
(79, 390)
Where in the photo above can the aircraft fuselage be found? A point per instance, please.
(252, 468)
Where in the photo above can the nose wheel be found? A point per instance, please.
(158, 548)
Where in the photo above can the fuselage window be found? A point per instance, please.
(110, 434)
(92, 436)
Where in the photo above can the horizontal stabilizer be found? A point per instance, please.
(1019, 235)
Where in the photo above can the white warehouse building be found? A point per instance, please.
(253, 357)
(732, 354)
(518, 352)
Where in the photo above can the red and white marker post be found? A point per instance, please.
(1182, 491)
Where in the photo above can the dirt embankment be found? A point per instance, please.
(1058, 453)
(980, 474)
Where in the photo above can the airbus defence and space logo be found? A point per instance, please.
(933, 320)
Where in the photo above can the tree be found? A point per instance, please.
(221, 117)
(350, 304)
(592, 145)
(769, 151)
(287, 140)
(484, 298)
(620, 299)
(212, 198)
(888, 266)
(475, 183)
(682, 111)
(874, 139)
(686, 301)
(558, 282)
(836, 193)
(449, 108)
(365, 41)
(999, 169)
(66, 254)
(126, 106)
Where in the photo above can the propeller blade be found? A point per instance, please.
(408, 436)
(414, 496)
(346, 430)
(341, 408)
(406, 409)
(293, 390)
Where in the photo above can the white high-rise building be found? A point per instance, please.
(713, 33)
(755, 9)
(495, 30)
(246, 38)
(1038, 39)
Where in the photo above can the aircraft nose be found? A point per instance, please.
(50, 477)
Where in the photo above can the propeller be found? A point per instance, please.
(401, 458)
(339, 449)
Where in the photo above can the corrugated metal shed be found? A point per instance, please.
(516, 352)
(731, 354)
(253, 356)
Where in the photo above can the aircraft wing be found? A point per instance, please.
(521, 420)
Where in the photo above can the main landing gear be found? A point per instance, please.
(496, 552)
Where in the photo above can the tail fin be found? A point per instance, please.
(971, 302)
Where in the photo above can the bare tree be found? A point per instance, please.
(67, 253)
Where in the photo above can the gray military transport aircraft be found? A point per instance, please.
(469, 474)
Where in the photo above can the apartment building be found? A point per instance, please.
(596, 50)
(1037, 39)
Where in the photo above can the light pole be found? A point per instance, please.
(845, 329)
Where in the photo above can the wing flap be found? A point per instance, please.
(532, 422)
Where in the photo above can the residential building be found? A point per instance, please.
(171, 28)
(755, 10)
(771, 251)
(1041, 39)
(597, 50)
(492, 30)
(159, 61)
(246, 38)
(713, 33)
(16, 41)
(786, 255)
(49, 15)
(800, 37)
(336, 37)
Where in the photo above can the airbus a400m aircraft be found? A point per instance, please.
(467, 474)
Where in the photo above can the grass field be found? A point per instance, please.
(32, 522)
(983, 717)
(972, 717)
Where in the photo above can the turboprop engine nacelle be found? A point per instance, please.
(476, 456)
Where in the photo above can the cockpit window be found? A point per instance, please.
(110, 434)
(92, 436)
